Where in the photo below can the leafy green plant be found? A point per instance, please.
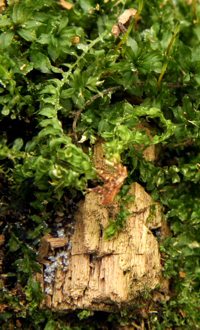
(66, 81)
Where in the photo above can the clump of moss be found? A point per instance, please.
(66, 81)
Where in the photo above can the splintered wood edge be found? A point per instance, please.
(57, 242)
(50, 243)
(55, 300)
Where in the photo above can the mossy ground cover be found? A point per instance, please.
(65, 82)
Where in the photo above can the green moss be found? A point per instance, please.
(65, 81)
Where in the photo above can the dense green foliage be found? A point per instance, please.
(65, 81)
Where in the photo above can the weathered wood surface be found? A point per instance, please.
(92, 273)
(108, 274)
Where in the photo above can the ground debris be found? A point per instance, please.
(122, 21)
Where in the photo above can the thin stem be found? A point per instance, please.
(75, 64)
(126, 35)
(90, 101)
(167, 54)
(194, 9)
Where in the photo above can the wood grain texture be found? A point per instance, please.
(108, 274)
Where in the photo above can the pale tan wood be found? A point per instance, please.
(2, 5)
(48, 242)
(107, 274)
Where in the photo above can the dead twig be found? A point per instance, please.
(106, 91)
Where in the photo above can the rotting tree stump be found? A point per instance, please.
(99, 274)
(85, 271)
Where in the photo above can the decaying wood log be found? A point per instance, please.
(101, 274)
(84, 270)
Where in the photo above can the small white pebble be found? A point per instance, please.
(61, 232)
(51, 258)
(62, 254)
(48, 280)
(48, 290)
(66, 262)
(65, 269)
(69, 246)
